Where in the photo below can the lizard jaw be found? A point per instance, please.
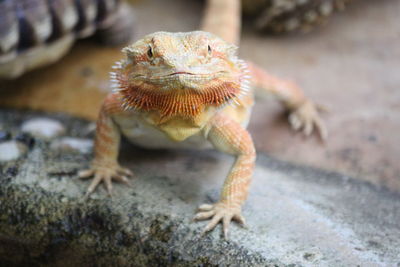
(175, 102)
(163, 93)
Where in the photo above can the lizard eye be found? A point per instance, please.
(209, 49)
(150, 52)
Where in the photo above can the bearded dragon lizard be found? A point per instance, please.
(190, 90)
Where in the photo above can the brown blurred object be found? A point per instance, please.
(35, 33)
(77, 84)
(280, 16)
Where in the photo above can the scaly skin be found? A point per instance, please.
(177, 90)
(282, 16)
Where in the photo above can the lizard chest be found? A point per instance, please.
(176, 134)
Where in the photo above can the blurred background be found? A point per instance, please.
(350, 64)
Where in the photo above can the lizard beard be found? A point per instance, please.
(184, 102)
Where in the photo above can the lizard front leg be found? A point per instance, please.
(223, 18)
(230, 137)
(303, 112)
(105, 166)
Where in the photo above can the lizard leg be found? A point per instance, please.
(230, 137)
(105, 166)
(223, 18)
(303, 112)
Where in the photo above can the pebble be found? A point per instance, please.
(311, 16)
(12, 150)
(26, 139)
(11, 171)
(326, 9)
(80, 145)
(4, 136)
(43, 128)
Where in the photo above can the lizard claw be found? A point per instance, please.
(306, 118)
(219, 212)
(105, 174)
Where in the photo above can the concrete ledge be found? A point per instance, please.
(297, 216)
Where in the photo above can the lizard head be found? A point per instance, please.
(179, 73)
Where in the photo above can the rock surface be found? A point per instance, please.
(43, 128)
(297, 216)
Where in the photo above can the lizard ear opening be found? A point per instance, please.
(209, 49)
(150, 52)
(232, 50)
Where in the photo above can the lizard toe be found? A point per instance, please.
(86, 173)
(106, 175)
(205, 207)
(220, 212)
(125, 171)
(204, 215)
(123, 179)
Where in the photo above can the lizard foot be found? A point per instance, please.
(105, 174)
(219, 212)
(305, 118)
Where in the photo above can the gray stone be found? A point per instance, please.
(297, 216)
(11, 150)
(80, 145)
(43, 128)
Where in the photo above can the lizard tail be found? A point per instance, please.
(223, 18)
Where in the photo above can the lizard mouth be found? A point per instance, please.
(180, 72)
(173, 76)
